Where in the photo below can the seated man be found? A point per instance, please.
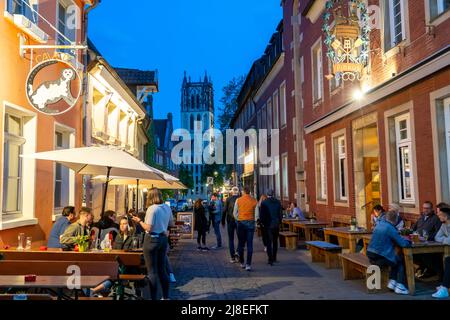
(381, 251)
(427, 226)
(399, 223)
(68, 216)
(443, 236)
(78, 228)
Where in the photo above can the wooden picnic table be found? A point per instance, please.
(308, 227)
(288, 222)
(408, 254)
(52, 282)
(346, 237)
(129, 259)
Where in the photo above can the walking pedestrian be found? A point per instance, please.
(215, 213)
(201, 224)
(245, 212)
(271, 216)
(258, 221)
(157, 221)
(231, 222)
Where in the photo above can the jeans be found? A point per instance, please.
(446, 282)
(169, 268)
(155, 254)
(216, 225)
(232, 230)
(246, 231)
(397, 271)
(201, 235)
(272, 235)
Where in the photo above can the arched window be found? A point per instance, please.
(192, 101)
(198, 101)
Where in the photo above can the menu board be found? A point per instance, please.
(185, 221)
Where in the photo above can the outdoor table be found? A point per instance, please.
(288, 222)
(309, 227)
(129, 259)
(408, 253)
(345, 235)
(52, 282)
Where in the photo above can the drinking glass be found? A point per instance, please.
(135, 243)
(425, 235)
(28, 243)
(21, 239)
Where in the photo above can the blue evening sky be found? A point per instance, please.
(223, 37)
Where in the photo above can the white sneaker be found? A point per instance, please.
(265, 249)
(392, 284)
(248, 268)
(242, 266)
(233, 261)
(401, 289)
(441, 293)
(172, 278)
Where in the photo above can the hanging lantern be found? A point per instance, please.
(348, 41)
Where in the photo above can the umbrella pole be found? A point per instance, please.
(137, 195)
(105, 191)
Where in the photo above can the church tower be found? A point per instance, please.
(197, 112)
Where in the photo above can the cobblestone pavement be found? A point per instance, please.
(210, 276)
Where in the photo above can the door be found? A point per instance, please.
(372, 185)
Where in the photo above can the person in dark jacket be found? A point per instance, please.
(201, 224)
(124, 240)
(68, 217)
(271, 215)
(381, 251)
(427, 226)
(231, 223)
(107, 221)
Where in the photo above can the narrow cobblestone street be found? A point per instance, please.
(210, 276)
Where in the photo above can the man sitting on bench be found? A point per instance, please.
(381, 251)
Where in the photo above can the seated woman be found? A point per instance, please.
(443, 236)
(295, 212)
(123, 241)
(107, 221)
(381, 251)
(377, 214)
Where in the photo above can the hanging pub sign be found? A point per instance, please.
(347, 41)
(53, 87)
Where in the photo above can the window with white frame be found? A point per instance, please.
(276, 111)
(438, 7)
(12, 164)
(405, 172)
(112, 121)
(277, 177)
(61, 174)
(27, 8)
(340, 168)
(65, 22)
(321, 171)
(394, 23)
(284, 165)
(317, 71)
(283, 117)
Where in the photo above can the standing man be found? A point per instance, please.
(68, 217)
(215, 210)
(270, 217)
(231, 222)
(244, 213)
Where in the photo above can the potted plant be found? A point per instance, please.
(82, 243)
(353, 224)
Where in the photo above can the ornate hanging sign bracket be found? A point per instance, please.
(347, 41)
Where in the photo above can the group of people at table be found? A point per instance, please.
(432, 226)
(150, 227)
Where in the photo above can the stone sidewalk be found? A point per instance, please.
(210, 276)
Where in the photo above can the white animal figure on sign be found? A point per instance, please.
(53, 91)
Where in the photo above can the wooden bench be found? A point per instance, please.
(354, 266)
(59, 268)
(322, 251)
(289, 239)
(33, 296)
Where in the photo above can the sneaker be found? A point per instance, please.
(242, 266)
(441, 293)
(172, 278)
(392, 285)
(248, 268)
(232, 260)
(199, 248)
(216, 247)
(265, 249)
(205, 249)
(401, 289)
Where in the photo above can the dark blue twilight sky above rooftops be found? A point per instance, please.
(223, 37)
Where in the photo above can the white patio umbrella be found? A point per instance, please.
(97, 161)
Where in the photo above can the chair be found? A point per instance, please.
(95, 234)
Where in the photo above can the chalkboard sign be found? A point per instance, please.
(185, 220)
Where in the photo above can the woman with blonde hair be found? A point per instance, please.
(156, 224)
